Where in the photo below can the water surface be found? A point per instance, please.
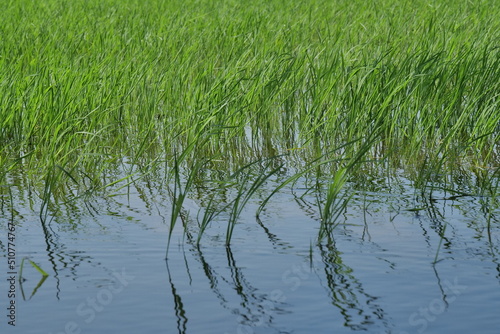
(109, 271)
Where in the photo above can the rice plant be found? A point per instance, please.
(101, 88)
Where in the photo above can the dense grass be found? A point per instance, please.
(92, 92)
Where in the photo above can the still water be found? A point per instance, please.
(109, 271)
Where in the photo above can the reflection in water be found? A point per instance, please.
(60, 257)
(234, 292)
(256, 309)
(273, 238)
(237, 289)
(358, 308)
(180, 313)
(53, 250)
(252, 310)
(444, 295)
(65, 260)
(35, 289)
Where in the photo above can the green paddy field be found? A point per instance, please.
(229, 115)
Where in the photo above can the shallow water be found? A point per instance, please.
(108, 273)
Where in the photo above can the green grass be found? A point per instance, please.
(96, 93)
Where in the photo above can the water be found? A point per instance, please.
(108, 271)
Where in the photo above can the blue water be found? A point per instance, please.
(109, 273)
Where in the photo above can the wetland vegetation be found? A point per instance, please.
(212, 110)
(220, 96)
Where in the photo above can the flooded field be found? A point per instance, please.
(394, 263)
(321, 166)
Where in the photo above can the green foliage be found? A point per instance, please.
(91, 87)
